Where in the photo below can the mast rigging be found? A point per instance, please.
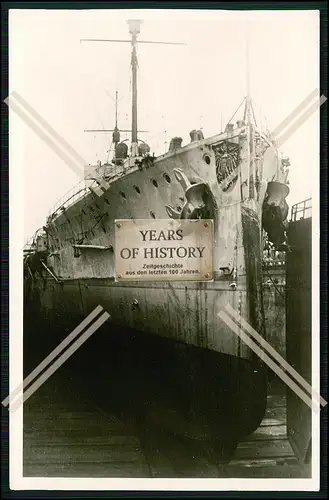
(134, 30)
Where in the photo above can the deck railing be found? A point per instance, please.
(78, 191)
(301, 210)
(107, 171)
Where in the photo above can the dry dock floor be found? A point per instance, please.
(65, 435)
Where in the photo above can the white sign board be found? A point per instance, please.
(163, 250)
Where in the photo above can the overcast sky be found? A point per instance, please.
(72, 85)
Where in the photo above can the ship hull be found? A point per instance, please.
(192, 391)
(186, 370)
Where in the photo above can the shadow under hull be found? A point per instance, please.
(189, 391)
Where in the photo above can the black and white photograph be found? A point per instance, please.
(164, 249)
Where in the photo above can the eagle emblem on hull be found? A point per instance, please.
(227, 157)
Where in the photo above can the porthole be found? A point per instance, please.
(136, 188)
(179, 208)
(207, 159)
(154, 182)
(152, 215)
(166, 176)
(181, 199)
(123, 195)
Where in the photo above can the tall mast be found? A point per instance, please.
(116, 133)
(134, 30)
(248, 101)
(247, 109)
(116, 109)
(247, 117)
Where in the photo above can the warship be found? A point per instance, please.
(203, 382)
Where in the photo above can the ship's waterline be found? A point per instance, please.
(182, 312)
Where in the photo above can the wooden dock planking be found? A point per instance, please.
(274, 413)
(87, 470)
(288, 471)
(276, 401)
(66, 436)
(267, 452)
(264, 449)
(106, 453)
(272, 432)
(74, 438)
(172, 457)
(270, 422)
